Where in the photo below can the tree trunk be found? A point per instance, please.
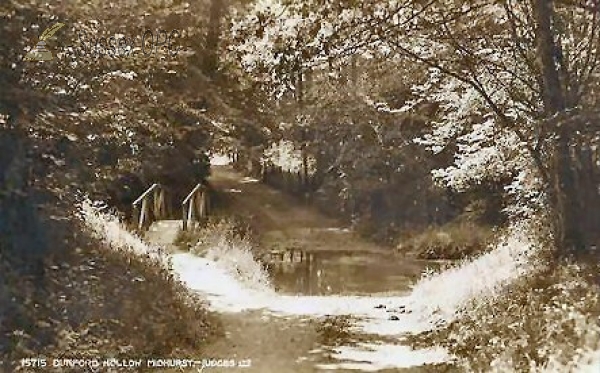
(552, 91)
(213, 38)
(563, 191)
(589, 200)
(569, 234)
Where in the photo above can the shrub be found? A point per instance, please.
(228, 243)
(451, 241)
(233, 227)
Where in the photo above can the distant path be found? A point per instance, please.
(282, 220)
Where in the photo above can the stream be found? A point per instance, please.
(327, 313)
(345, 273)
(327, 300)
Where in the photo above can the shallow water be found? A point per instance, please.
(344, 273)
(281, 331)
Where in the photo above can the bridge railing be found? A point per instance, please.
(149, 207)
(195, 207)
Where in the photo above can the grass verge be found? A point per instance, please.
(546, 322)
(229, 243)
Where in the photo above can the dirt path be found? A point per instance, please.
(282, 220)
(269, 343)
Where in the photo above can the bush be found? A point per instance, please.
(212, 231)
(451, 241)
(228, 243)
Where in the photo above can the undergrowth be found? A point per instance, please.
(95, 299)
(229, 243)
(441, 292)
(215, 227)
(544, 322)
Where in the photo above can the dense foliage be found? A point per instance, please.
(110, 114)
(511, 87)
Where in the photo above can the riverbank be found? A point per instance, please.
(523, 310)
(546, 321)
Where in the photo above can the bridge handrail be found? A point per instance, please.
(194, 209)
(145, 194)
(150, 206)
(194, 191)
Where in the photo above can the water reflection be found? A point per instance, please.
(335, 272)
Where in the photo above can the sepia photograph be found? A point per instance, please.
(300, 186)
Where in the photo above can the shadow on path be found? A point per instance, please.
(282, 221)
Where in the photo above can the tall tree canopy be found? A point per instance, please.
(515, 85)
(134, 88)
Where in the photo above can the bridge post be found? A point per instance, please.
(136, 215)
(184, 217)
(156, 211)
(207, 202)
(146, 210)
(200, 206)
(163, 207)
(143, 214)
(195, 206)
(204, 203)
(191, 213)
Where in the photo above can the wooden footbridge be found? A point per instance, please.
(154, 216)
(155, 205)
(160, 218)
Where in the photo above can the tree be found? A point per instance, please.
(121, 90)
(513, 82)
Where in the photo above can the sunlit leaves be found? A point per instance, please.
(481, 57)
